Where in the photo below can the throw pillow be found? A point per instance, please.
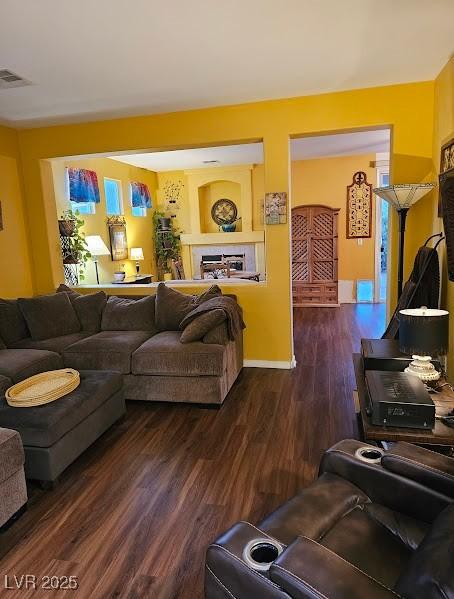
(172, 305)
(62, 288)
(89, 309)
(201, 325)
(49, 316)
(122, 314)
(218, 335)
(13, 327)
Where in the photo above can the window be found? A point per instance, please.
(114, 203)
(81, 207)
(139, 211)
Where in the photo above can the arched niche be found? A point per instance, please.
(202, 182)
(209, 194)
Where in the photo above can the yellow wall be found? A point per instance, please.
(444, 132)
(15, 265)
(324, 181)
(407, 108)
(139, 230)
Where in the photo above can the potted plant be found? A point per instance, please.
(167, 245)
(70, 225)
(120, 275)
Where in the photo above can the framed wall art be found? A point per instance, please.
(276, 208)
(359, 207)
(118, 238)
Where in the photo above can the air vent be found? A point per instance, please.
(211, 162)
(9, 79)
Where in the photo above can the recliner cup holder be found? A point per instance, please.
(259, 554)
(371, 455)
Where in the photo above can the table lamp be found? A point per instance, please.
(96, 247)
(423, 333)
(137, 255)
(402, 197)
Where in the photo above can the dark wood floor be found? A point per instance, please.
(133, 516)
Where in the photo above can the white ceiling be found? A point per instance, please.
(363, 142)
(90, 59)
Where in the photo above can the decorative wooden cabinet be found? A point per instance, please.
(314, 255)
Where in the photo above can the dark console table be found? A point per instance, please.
(135, 280)
(440, 435)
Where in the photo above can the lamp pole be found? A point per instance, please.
(95, 260)
(400, 271)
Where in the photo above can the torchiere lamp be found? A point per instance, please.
(137, 255)
(402, 197)
(96, 247)
(423, 333)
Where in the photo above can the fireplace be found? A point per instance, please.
(218, 253)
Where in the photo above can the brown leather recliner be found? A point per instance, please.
(376, 524)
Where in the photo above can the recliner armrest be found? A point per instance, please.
(382, 485)
(422, 465)
(309, 570)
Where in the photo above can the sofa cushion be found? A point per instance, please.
(429, 572)
(11, 453)
(2, 345)
(19, 364)
(122, 314)
(172, 305)
(56, 344)
(49, 316)
(89, 308)
(219, 334)
(164, 354)
(201, 325)
(108, 350)
(42, 426)
(12, 323)
(5, 383)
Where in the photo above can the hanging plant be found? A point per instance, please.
(70, 222)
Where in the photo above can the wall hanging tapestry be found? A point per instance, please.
(83, 186)
(359, 207)
(276, 208)
(118, 239)
(446, 169)
(173, 194)
(140, 195)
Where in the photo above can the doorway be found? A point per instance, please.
(381, 239)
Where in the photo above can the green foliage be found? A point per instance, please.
(77, 244)
(167, 244)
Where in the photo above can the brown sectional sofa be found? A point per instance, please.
(155, 364)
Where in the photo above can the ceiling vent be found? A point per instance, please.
(211, 162)
(9, 79)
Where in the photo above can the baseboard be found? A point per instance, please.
(282, 365)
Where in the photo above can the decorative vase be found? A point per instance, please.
(167, 276)
(228, 227)
(119, 276)
(67, 227)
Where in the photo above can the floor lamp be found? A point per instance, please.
(96, 247)
(402, 197)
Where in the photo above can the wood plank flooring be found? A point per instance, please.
(133, 516)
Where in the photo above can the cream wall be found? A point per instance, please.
(407, 109)
(139, 230)
(324, 181)
(15, 263)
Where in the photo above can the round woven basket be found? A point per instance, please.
(42, 388)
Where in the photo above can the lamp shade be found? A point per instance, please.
(136, 254)
(424, 331)
(96, 246)
(404, 195)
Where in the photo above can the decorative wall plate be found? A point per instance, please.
(224, 212)
(359, 207)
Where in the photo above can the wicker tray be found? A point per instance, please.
(42, 388)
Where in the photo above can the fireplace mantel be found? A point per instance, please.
(222, 238)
